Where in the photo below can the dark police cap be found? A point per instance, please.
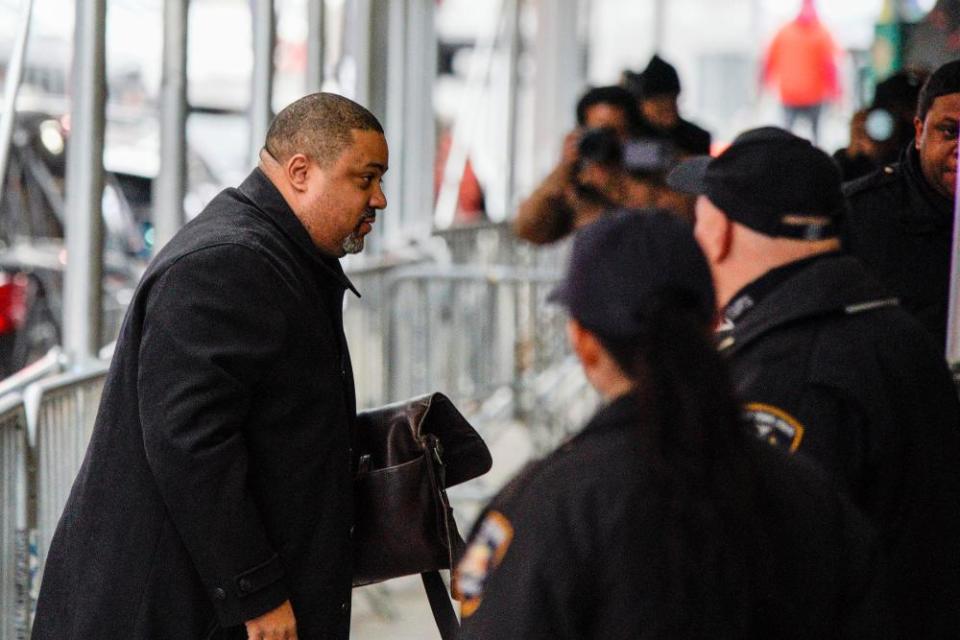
(770, 180)
(622, 263)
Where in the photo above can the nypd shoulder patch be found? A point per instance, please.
(483, 554)
(774, 425)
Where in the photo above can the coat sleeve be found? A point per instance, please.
(211, 330)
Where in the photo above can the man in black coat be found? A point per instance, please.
(657, 89)
(215, 498)
(900, 222)
(828, 365)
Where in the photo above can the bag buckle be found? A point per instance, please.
(433, 443)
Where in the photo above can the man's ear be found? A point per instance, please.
(584, 343)
(918, 128)
(713, 230)
(725, 239)
(297, 169)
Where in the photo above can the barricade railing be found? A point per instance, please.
(365, 322)
(468, 330)
(50, 364)
(60, 415)
(14, 521)
(494, 243)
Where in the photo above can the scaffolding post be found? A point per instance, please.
(264, 39)
(316, 42)
(170, 187)
(11, 89)
(659, 24)
(559, 77)
(418, 72)
(512, 94)
(83, 297)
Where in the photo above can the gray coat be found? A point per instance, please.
(217, 483)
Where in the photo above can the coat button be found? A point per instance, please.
(343, 607)
(245, 585)
(219, 594)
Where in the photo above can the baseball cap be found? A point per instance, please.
(769, 180)
(621, 263)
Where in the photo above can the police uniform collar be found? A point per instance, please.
(265, 196)
(623, 410)
(752, 294)
(830, 284)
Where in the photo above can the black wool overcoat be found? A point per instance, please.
(217, 483)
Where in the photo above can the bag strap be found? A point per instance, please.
(440, 605)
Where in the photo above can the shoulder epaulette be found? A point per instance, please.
(885, 174)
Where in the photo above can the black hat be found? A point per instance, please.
(622, 261)
(898, 92)
(944, 81)
(659, 78)
(764, 179)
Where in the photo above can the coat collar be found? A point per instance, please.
(929, 209)
(618, 412)
(268, 200)
(833, 284)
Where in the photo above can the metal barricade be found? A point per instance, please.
(60, 414)
(50, 364)
(14, 521)
(365, 327)
(468, 331)
(496, 244)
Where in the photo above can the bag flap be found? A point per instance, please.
(390, 435)
(465, 454)
(393, 434)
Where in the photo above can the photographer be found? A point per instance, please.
(879, 133)
(602, 167)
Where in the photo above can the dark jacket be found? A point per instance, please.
(903, 231)
(217, 482)
(574, 548)
(688, 137)
(830, 366)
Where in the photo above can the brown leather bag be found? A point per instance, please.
(407, 455)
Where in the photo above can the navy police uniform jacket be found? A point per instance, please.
(573, 548)
(828, 365)
(217, 482)
(902, 230)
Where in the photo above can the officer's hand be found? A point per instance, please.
(278, 624)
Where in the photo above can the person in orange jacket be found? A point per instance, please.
(801, 64)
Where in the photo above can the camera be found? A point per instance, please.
(640, 157)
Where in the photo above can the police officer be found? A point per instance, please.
(828, 363)
(901, 216)
(663, 517)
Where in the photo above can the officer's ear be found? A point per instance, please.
(583, 343)
(918, 128)
(713, 231)
(725, 241)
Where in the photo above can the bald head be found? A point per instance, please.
(319, 125)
